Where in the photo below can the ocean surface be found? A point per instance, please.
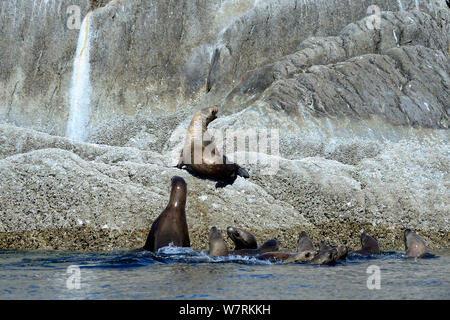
(181, 273)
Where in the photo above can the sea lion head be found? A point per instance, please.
(242, 239)
(209, 114)
(178, 193)
(305, 243)
(414, 245)
(217, 246)
(369, 244)
(301, 257)
(342, 252)
(325, 257)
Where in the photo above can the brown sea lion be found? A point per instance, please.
(369, 245)
(201, 157)
(301, 256)
(342, 251)
(324, 246)
(324, 257)
(305, 243)
(268, 246)
(242, 239)
(414, 245)
(217, 246)
(279, 255)
(171, 226)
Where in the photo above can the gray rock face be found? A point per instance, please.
(362, 114)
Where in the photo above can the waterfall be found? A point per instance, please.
(400, 5)
(80, 89)
(417, 4)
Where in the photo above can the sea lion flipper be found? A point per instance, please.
(242, 172)
(180, 161)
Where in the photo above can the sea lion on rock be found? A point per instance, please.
(369, 245)
(171, 225)
(414, 245)
(242, 239)
(201, 157)
(217, 246)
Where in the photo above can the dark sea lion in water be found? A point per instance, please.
(217, 246)
(242, 239)
(414, 245)
(268, 246)
(171, 225)
(369, 245)
(201, 157)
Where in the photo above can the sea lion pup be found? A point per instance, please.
(217, 246)
(268, 246)
(242, 239)
(201, 157)
(414, 245)
(369, 245)
(171, 226)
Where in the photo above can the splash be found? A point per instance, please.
(80, 89)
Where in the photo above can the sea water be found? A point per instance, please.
(181, 273)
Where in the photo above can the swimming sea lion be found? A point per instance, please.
(369, 245)
(342, 251)
(268, 246)
(414, 245)
(171, 226)
(217, 246)
(324, 257)
(305, 243)
(242, 239)
(324, 246)
(276, 255)
(201, 157)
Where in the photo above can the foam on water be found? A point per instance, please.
(80, 89)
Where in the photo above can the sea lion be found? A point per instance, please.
(201, 157)
(242, 239)
(414, 245)
(171, 226)
(217, 246)
(324, 257)
(369, 245)
(305, 243)
(342, 251)
(276, 255)
(305, 251)
(324, 246)
(268, 246)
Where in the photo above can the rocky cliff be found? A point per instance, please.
(360, 103)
